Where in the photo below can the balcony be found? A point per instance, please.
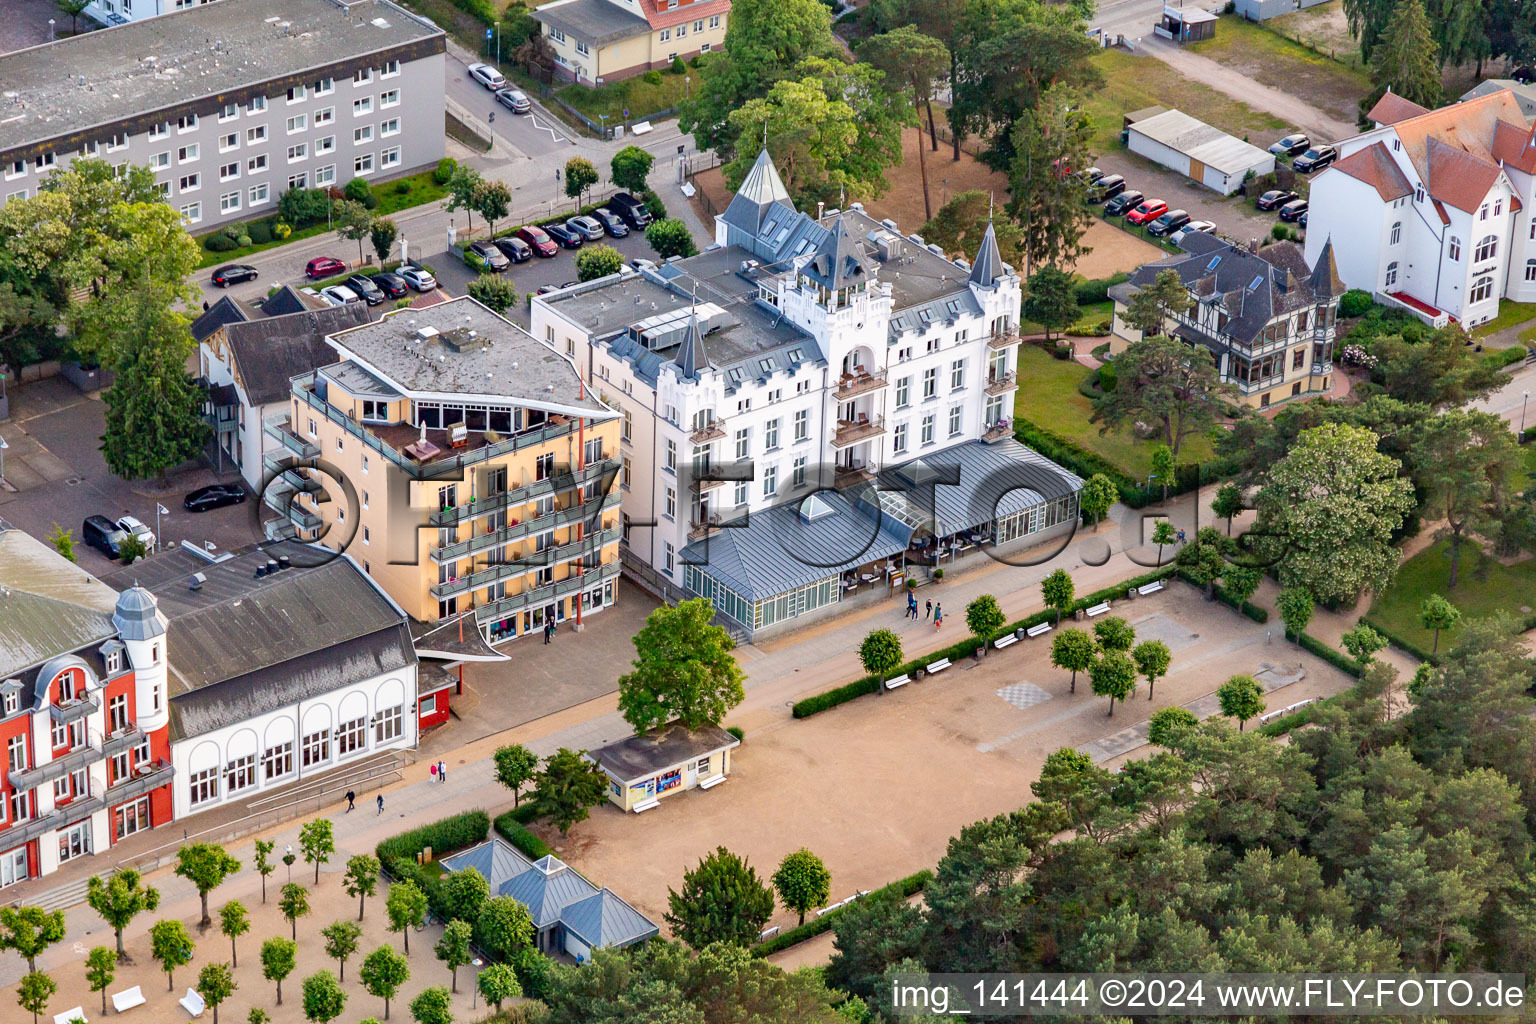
(281, 498)
(711, 431)
(700, 527)
(146, 777)
(77, 708)
(586, 512)
(59, 767)
(1003, 339)
(80, 807)
(562, 479)
(998, 431)
(996, 385)
(514, 603)
(852, 385)
(853, 431)
(844, 477)
(524, 564)
(122, 739)
(281, 431)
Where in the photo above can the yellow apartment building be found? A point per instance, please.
(596, 41)
(465, 466)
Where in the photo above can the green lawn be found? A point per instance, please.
(1483, 587)
(635, 95)
(1048, 397)
(1093, 313)
(1511, 314)
(1273, 60)
(1131, 83)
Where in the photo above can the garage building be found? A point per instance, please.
(1196, 149)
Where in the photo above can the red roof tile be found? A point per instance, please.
(656, 12)
(1392, 108)
(1375, 166)
(1456, 177)
(1514, 147)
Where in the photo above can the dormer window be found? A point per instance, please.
(12, 697)
(114, 662)
(1418, 194)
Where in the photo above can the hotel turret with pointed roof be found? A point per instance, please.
(767, 384)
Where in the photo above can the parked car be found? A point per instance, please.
(1194, 227)
(643, 264)
(213, 496)
(514, 100)
(104, 535)
(1125, 201)
(1291, 145)
(494, 261)
(611, 222)
(418, 278)
(1293, 211)
(567, 238)
(537, 240)
(1106, 187)
(1091, 175)
(339, 295)
(233, 273)
(1148, 211)
(546, 289)
(324, 266)
(1168, 223)
(634, 211)
(366, 289)
(1302, 220)
(488, 76)
(1276, 198)
(588, 228)
(514, 248)
(135, 528)
(392, 285)
(1315, 159)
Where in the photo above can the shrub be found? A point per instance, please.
(1097, 290)
(445, 168)
(677, 66)
(832, 698)
(738, 732)
(281, 230)
(1062, 352)
(1107, 378)
(359, 191)
(902, 888)
(652, 77)
(1338, 659)
(1280, 232)
(1355, 302)
(402, 187)
(510, 826)
(261, 232)
(303, 206)
(452, 833)
(243, 241)
(653, 204)
(220, 243)
(232, 230)
(696, 60)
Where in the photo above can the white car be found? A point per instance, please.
(1203, 227)
(488, 76)
(133, 527)
(339, 295)
(416, 277)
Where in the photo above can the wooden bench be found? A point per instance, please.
(1005, 641)
(898, 682)
(1098, 609)
(193, 1003)
(1039, 630)
(768, 933)
(78, 1013)
(938, 666)
(712, 781)
(645, 805)
(127, 999)
(1150, 588)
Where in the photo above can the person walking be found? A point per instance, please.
(442, 772)
(351, 796)
(381, 803)
(911, 605)
(549, 631)
(928, 610)
(938, 616)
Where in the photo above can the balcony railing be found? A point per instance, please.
(585, 512)
(998, 431)
(513, 603)
(282, 432)
(711, 431)
(146, 777)
(1003, 339)
(561, 480)
(853, 431)
(844, 477)
(996, 385)
(852, 385)
(59, 767)
(702, 526)
(77, 708)
(524, 564)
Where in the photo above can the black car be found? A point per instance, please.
(634, 211)
(611, 222)
(1291, 145)
(1276, 198)
(233, 273)
(1315, 159)
(515, 249)
(1107, 187)
(365, 288)
(1168, 223)
(104, 535)
(494, 261)
(213, 496)
(1294, 210)
(563, 235)
(392, 285)
(1127, 200)
(1302, 220)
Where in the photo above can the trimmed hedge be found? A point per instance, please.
(1071, 455)
(510, 827)
(903, 888)
(453, 833)
(1406, 646)
(1502, 357)
(1091, 293)
(1338, 659)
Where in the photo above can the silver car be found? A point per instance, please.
(514, 100)
(339, 295)
(416, 277)
(586, 227)
(487, 76)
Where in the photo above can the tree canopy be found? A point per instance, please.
(1169, 384)
(683, 670)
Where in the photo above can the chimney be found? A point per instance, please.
(271, 567)
(282, 561)
(197, 581)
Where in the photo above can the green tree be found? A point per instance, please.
(461, 894)
(1166, 382)
(453, 948)
(907, 55)
(595, 261)
(1113, 675)
(567, 788)
(317, 841)
(802, 882)
(1408, 60)
(580, 175)
(324, 998)
(382, 973)
(492, 201)
(234, 921)
(63, 541)
(1114, 634)
(171, 946)
(1437, 613)
(1058, 591)
(100, 971)
(1166, 725)
(1052, 299)
(1434, 368)
(152, 415)
(1164, 466)
(515, 767)
(1368, 21)
(1073, 650)
(361, 879)
(722, 901)
(683, 670)
(962, 223)
(498, 983)
(1240, 581)
(293, 903)
(1241, 698)
(73, 8)
(503, 927)
(670, 237)
(1362, 643)
(119, 898)
(462, 187)
(354, 223)
(1227, 504)
(1149, 309)
(205, 865)
(1099, 493)
(383, 234)
(1162, 535)
(34, 991)
(341, 941)
(880, 653)
(1047, 200)
(984, 617)
(432, 1006)
(278, 959)
(1335, 502)
(258, 1016)
(406, 908)
(216, 983)
(1153, 659)
(493, 291)
(1295, 610)
(264, 865)
(629, 168)
(1466, 461)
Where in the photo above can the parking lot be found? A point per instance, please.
(1234, 217)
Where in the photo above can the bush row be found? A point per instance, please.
(510, 826)
(1502, 357)
(965, 648)
(1338, 659)
(1406, 646)
(1090, 293)
(904, 888)
(1071, 455)
(453, 833)
(1248, 608)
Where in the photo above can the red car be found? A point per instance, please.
(324, 266)
(538, 241)
(1147, 212)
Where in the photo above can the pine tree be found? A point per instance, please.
(152, 408)
(1407, 58)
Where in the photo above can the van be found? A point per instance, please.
(635, 213)
(102, 534)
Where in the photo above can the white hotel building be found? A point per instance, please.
(813, 402)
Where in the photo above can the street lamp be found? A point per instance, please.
(686, 80)
(1524, 396)
(3, 447)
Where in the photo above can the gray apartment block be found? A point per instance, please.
(231, 104)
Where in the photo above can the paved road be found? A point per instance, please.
(1512, 401)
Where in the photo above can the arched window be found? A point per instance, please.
(1487, 249)
(1391, 274)
(1455, 250)
(1397, 232)
(1482, 289)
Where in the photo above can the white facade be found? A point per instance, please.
(250, 442)
(121, 12)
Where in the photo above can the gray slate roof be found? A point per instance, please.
(839, 261)
(989, 261)
(48, 604)
(268, 352)
(289, 299)
(637, 757)
(761, 189)
(602, 920)
(597, 22)
(225, 311)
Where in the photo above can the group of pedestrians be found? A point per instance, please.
(932, 610)
(439, 774)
